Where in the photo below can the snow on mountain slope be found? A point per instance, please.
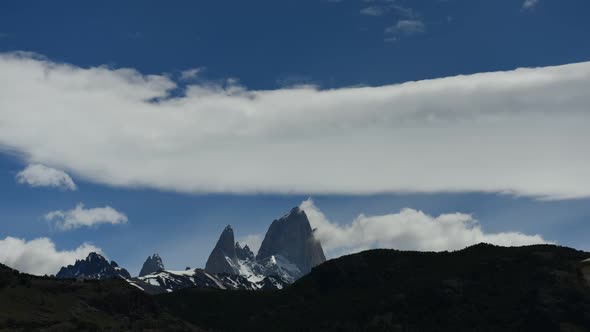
(169, 281)
(289, 251)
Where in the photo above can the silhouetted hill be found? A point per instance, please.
(480, 288)
(30, 303)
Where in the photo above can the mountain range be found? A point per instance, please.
(480, 288)
(289, 286)
(289, 251)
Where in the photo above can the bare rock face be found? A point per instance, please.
(223, 258)
(289, 251)
(292, 238)
(244, 253)
(152, 264)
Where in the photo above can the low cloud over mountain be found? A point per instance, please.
(40, 256)
(407, 230)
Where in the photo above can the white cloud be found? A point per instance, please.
(82, 217)
(523, 131)
(39, 256)
(407, 230)
(408, 27)
(42, 176)
(189, 74)
(252, 240)
(530, 4)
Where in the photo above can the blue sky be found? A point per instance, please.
(274, 46)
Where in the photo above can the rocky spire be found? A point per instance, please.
(244, 254)
(223, 258)
(152, 264)
(292, 237)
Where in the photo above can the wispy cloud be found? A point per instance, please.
(406, 12)
(373, 11)
(530, 4)
(40, 256)
(406, 27)
(190, 74)
(295, 80)
(379, 8)
(37, 175)
(82, 217)
(408, 229)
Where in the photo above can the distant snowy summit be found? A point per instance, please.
(289, 250)
(96, 267)
(151, 265)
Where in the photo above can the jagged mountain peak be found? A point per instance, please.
(223, 258)
(244, 253)
(295, 216)
(294, 212)
(226, 239)
(94, 256)
(291, 237)
(289, 250)
(152, 264)
(94, 266)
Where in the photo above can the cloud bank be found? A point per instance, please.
(82, 217)
(523, 131)
(39, 256)
(42, 176)
(407, 230)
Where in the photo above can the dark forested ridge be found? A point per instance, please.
(480, 288)
(30, 303)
